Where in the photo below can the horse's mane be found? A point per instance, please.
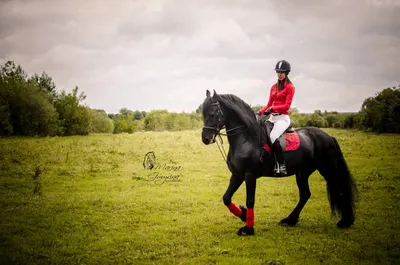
(246, 114)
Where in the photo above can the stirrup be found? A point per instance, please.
(277, 170)
(280, 169)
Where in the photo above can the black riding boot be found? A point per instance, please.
(280, 168)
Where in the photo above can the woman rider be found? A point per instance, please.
(280, 99)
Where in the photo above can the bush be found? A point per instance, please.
(316, 120)
(99, 122)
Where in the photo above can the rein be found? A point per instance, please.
(221, 142)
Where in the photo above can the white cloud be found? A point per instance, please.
(164, 54)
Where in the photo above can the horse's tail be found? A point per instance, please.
(342, 190)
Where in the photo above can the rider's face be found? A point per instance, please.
(281, 75)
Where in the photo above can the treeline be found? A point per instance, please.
(155, 120)
(378, 114)
(33, 106)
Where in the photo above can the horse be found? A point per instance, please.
(247, 160)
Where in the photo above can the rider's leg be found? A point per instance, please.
(282, 122)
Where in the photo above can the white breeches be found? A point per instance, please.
(281, 123)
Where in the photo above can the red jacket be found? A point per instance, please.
(280, 101)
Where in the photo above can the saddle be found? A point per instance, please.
(289, 140)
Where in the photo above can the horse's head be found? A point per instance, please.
(213, 117)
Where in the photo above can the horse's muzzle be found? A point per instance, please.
(208, 139)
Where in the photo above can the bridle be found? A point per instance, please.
(217, 129)
(219, 115)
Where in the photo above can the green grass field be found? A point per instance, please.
(88, 200)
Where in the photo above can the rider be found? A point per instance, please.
(279, 102)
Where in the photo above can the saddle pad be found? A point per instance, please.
(292, 142)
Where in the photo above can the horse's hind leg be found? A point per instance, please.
(305, 194)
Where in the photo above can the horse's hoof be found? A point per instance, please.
(344, 224)
(246, 231)
(244, 212)
(288, 222)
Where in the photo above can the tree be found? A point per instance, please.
(74, 117)
(24, 107)
(37, 116)
(13, 74)
(100, 122)
(137, 115)
(125, 112)
(44, 83)
(156, 120)
(319, 112)
(297, 119)
(333, 120)
(124, 123)
(381, 113)
(316, 120)
(349, 122)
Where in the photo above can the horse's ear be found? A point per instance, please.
(208, 93)
(215, 94)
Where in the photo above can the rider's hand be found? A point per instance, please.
(268, 111)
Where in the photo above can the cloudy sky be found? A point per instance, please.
(164, 54)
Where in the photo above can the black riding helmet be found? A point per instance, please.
(282, 66)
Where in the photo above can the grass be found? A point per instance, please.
(88, 200)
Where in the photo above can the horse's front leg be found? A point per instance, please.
(234, 184)
(248, 229)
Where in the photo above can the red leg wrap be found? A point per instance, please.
(250, 217)
(234, 209)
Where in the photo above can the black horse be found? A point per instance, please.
(248, 161)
